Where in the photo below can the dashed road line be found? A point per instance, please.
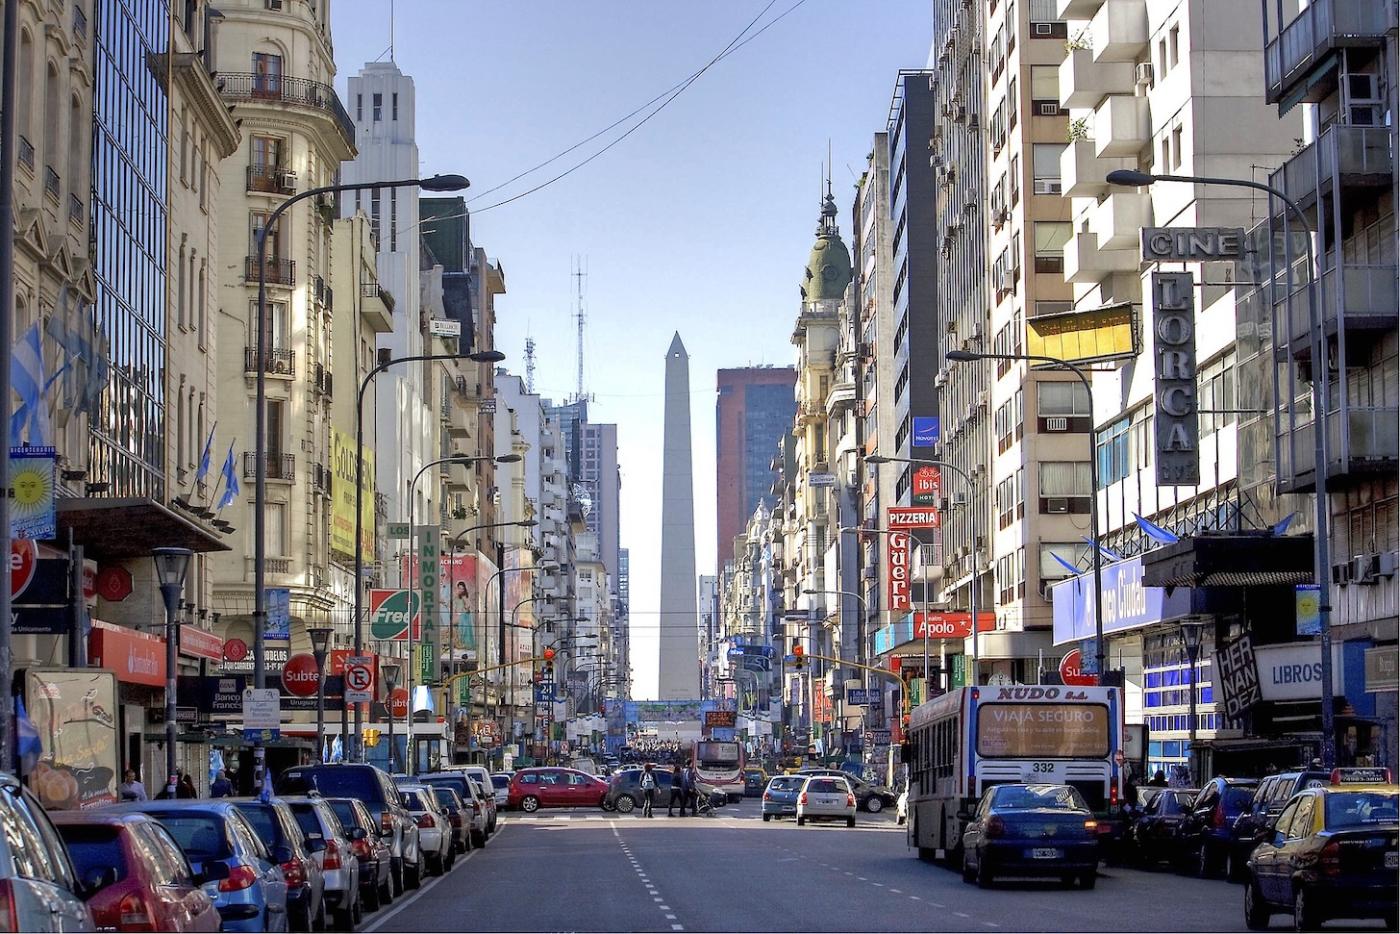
(646, 881)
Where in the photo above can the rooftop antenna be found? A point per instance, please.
(579, 275)
(530, 365)
(391, 30)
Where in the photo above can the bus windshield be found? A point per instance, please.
(713, 753)
(1042, 731)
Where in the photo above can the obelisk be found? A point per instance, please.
(678, 675)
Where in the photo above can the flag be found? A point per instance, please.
(27, 379)
(1155, 532)
(337, 750)
(1108, 553)
(28, 746)
(230, 481)
(325, 749)
(1069, 567)
(1283, 526)
(204, 458)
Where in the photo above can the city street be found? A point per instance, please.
(591, 871)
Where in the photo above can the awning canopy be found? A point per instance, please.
(1011, 643)
(119, 528)
(1230, 561)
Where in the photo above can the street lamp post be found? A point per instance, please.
(976, 533)
(390, 672)
(320, 641)
(1192, 630)
(435, 183)
(171, 566)
(1322, 547)
(963, 356)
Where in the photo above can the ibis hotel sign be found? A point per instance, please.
(1174, 372)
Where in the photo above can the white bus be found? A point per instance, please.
(966, 741)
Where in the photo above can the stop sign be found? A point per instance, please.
(1071, 670)
(398, 703)
(301, 677)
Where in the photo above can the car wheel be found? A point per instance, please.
(874, 805)
(398, 876)
(1089, 879)
(1306, 917)
(413, 876)
(1256, 910)
(359, 910)
(529, 804)
(478, 838)
(767, 817)
(345, 918)
(850, 822)
(386, 891)
(1234, 867)
(1205, 862)
(374, 898)
(624, 804)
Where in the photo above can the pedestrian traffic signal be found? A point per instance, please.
(798, 660)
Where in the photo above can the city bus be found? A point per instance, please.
(966, 741)
(720, 765)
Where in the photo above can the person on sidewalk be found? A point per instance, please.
(131, 788)
(690, 783)
(221, 787)
(677, 791)
(648, 786)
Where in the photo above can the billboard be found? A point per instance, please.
(1090, 336)
(343, 496)
(73, 712)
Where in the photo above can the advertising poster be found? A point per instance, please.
(74, 713)
(458, 602)
(32, 510)
(343, 496)
(279, 614)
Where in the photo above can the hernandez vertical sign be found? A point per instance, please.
(1174, 371)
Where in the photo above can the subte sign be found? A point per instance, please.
(1071, 670)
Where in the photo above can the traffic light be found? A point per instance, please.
(371, 738)
(798, 659)
(547, 670)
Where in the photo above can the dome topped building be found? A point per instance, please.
(828, 269)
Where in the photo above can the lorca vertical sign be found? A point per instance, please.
(1174, 370)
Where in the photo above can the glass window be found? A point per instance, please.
(95, 847)
(200, 836)
(1067, 399)
(1301, 825)
(1051, 237)
(1064, 478)
(1045, 83)
(1045, 161)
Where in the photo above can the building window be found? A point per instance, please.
(1111, 448)
(1014, 175)
(394, 105)
(359, 108)
(1062, 407)
(1075, 554)
(277, 527)
(393, 220)
(1013, 103)
(374, 215)
(274, 236)
(1215, 390)
(1064, 487)
(1045, 90)
(1176, 147)
(267, 75)
(1045, 166)
(180, 283)
(1050, 240)
(377, 108)
(1174, 44)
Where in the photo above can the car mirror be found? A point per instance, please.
(282, 854)
(96, 880)
(212, 870)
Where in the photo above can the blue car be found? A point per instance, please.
(1031, 830)
(244, 878)
(780, 797)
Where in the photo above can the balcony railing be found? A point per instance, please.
(279, 271)
(1322, 26)
(273, 179)
(297, 91)
(1364, 296)
(276, 466)
(1372, 444)
(277, 360)
(75, 210)
(51, 183)
(26, 153)
(1353, 154)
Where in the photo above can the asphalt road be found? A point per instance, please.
(591, 871)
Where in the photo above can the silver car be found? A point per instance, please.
(35, 866)
(434, 828)
(826, 797)
(330, 849)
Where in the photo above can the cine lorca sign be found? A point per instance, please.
(1174, 371)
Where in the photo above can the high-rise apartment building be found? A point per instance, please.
(753, 409)
(600, 476)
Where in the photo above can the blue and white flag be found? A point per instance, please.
(27, 379)
(230, 481)
(28, 746)
(204, 458)
(1155, 532)
(337, 749)
(1104, 550)
(1066, 565)
(1283, 524)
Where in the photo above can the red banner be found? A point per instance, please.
(952, 625)
(197, 643)
(134, 657)
(897, 556)
(912, 517)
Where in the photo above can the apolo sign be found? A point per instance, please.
(390, 612)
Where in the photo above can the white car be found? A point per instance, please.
(500, 785)
(330, 847)
(826, 797)
(434, 827)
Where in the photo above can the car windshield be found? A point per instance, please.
(336, 782)
(1022, 797)
(1177, 802)
(93, 848)
(307, 819)
(1238, 797)
(413, 800)
(785, 783)
(445, 797)
(264, 821)
(345, 810)
(201, 836)
(1361, 809)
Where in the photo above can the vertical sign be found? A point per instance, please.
(926, 485)
(279, 614)
(32, 504)
(1307, 600)
(1237, 676)
(898, 562)
(1174, 371)
(429, 580)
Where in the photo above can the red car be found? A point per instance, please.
(532, 789)
(149, 883)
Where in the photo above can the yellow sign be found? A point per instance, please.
(343, 496)
(1098, 334)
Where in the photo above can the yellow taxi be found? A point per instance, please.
(1332, 853)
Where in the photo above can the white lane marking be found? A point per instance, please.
(962, 914)
(897, 891)
(422, 890)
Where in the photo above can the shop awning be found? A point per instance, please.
(1008, 643)
(1231, 561)
(130, 527)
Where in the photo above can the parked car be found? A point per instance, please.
(780, 797)
(500, 789)
(459, 817)
(869, 797)
(755, 782)
(376, 790)
(535, 788)
(274, 824)
(434, 827)
(1255, 825)
(1206, 831)
(242, 875)
(1031, 830)
(1332, 853)
(826, 797)
(330, 847)
(146, 884)
(371, 851)
(624, 792)
(457, 779)
(1155, 835)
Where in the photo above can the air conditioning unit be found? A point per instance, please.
(959, 499)
(1047, 186)
(1057, 505)
(1047, 108)
(1341, 573)
(287, 179)
(1365, 568)
(943, 504)
(1386, 564)
(1142, 76)
(1006, 281)
(1057, 424)
(1042, 29)
(1000, 216)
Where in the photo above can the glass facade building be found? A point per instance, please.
(129, 205)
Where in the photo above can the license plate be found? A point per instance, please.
(1045, 852)
(1392, 861)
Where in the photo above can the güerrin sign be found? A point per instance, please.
(1174, 372)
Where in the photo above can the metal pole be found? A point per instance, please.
(1193, 652)
(389, 715)
(8, 139)
(320, 656)
(171, 594)
(260, 494)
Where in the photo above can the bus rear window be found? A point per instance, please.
(713, 753)
(1042, 731)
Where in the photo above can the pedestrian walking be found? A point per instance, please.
(186, 789)
(648, 786)
(690, 781)
(131, 788)
(221, 787)
(677, 791)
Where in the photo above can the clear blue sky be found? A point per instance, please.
(700, 222)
